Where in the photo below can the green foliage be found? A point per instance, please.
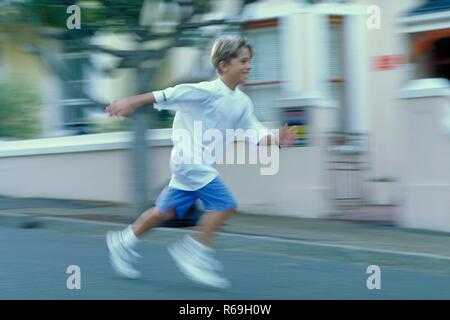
(163, 119)
(202, 6)
(47, 19)
(96, 15)
(111, 15)
(102, 125)
(19, 111)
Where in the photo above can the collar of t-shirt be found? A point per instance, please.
(227, 89)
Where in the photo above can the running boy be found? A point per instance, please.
(218, 104)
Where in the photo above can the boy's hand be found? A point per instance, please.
(120, 108)
(287, 135)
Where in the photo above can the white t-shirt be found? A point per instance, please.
(199, 107)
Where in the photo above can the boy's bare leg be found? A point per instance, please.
(149, 219)
(209, 224)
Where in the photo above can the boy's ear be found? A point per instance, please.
(222, 65)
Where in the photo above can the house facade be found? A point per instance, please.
(344, 74)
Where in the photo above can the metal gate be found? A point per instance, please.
(347, 166)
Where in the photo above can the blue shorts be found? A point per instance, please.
(215, 197)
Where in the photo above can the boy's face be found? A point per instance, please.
(238, 69)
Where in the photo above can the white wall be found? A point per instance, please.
(384, 85)
(71, 168)
(424, 154)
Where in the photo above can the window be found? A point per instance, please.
(263, 85)
(73, 103)
(441, 58)
(430, 52)
(336, 75)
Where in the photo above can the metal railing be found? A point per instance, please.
(347, 167)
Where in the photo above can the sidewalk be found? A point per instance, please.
(322, 237)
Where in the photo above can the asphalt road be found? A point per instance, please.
(33, 265)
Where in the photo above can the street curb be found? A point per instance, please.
(71, 225)
(62, 224)
(20, 220)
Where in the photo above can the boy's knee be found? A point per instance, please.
(231, 211)
(164, 215)
(170, 214)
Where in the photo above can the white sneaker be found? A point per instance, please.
(121, 257)
(192, 265)
(205, 259)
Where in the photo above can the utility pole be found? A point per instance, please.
(141, 120)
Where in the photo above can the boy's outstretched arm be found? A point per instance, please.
(286, 137)
(183, 95)
(124, 107)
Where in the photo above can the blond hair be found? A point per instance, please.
(228, 47)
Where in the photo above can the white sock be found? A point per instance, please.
(129, 237)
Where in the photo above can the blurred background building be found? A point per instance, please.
(364, 82)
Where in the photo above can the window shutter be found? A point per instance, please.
(337, 70)
(263, 84)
